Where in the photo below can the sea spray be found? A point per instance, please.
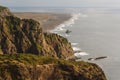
(76, 49)
(73, 44)
(79, 54)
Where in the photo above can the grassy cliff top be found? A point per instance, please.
(73, 70)
(34, 59)
(26, 59)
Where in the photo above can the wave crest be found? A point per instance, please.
(69, 22)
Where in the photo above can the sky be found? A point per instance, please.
(60, 3)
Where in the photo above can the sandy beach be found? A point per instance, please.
(47, 20)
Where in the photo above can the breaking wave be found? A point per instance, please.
(79, 54)
(69, 22)
(76, 49)
(74, 44)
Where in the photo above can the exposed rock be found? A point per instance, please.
(97, 58)
(31, 67)
(26, 36)
(60, 45)
(68, 31)
(18, 36)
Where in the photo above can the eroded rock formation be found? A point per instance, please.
(20, 37)
(26, 36)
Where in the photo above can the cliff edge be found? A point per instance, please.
(27, 53)
(32, 67)
(26, 36)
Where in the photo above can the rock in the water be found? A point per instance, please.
(68, 31)
(98, 58)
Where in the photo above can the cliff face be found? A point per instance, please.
(20, 36)
(26, 36)
(60, 45)
(32, 67)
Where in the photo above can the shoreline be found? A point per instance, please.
(48, 21)
(51, 21)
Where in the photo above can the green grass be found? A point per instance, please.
(35, 59)
(88, 70)
(27, 59)
(30, 59)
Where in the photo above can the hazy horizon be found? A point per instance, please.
(61, 3)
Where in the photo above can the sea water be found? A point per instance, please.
(95, 32)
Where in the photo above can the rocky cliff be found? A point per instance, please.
(21, 38)
(26, 36)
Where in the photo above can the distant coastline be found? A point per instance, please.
(48, 21)
(22, 40)
(51, 21)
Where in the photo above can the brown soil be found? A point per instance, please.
(47, 20)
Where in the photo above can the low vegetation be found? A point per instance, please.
(21, 39)
(67, 70)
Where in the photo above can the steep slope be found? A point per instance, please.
(21, 38)
(60, 44)
(32, 67)
(26, 36)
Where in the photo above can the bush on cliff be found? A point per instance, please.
(33, 67)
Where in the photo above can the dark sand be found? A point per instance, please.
(47, 20)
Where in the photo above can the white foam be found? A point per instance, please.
(72, 19)
(73, 44)
(61, 25)
(76, 49)
(81, 54)
(59, 28)
(70, 22)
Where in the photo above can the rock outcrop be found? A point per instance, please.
(60, 44)
(32, 67)
(26, 36)
(20, 39)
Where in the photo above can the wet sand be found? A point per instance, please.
(47, 20)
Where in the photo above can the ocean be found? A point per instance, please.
(94, 31)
